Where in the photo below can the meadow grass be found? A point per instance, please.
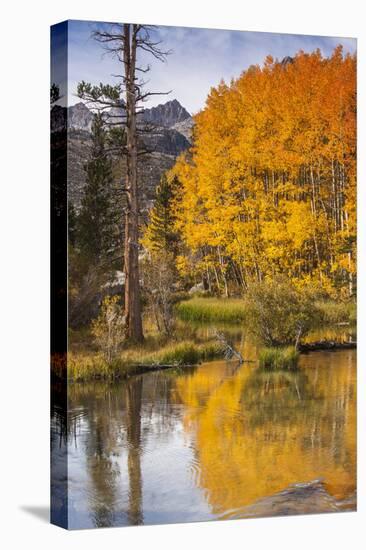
(332, 312)
(88, 366)
(233, 310)
(85, 362)
(279, 358)
(230, 310)
(183, 353)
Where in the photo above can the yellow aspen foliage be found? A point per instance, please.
(269, 185)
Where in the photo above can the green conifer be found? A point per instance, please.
(161, 234)
(98, 235)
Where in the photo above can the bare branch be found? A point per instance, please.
(144, 96)
(144, 69)
(227, 348)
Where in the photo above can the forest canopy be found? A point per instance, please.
(269, 185)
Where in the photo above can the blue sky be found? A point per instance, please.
(200, 58)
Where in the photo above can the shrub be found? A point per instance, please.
(159, 278)
(279, 358)
(278, 313)
(108, 328)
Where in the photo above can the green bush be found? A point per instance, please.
(279, 314)
(108, 328)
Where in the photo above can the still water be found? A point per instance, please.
(213, 442)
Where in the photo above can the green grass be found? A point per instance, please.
(233, 310)
(279, 358)
(227, 310)
(89, 366)
(184, 353)
(337, 312)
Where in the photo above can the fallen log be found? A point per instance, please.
(141, 369)
(168, 366)
(326, 345)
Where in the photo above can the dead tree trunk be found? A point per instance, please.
(123, 41)
(132, 282)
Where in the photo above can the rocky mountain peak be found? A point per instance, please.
(80, 117)
(171, 136)
(167, 114)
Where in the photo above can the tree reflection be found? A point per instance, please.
(133, 409)
(258, 432)
(59, 434)
(103, 470)
(279, 397)
(109, 410)
(252, 434)
(107, 420)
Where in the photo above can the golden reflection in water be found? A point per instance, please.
(256, 432)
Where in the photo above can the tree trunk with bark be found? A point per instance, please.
(124, 41)
(132, 281)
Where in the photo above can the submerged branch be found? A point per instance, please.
(228, 349)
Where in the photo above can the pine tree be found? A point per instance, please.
(127, 42)
(161, 234)
(97, 229)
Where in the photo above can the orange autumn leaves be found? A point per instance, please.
(272, 439)
(269, 185)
